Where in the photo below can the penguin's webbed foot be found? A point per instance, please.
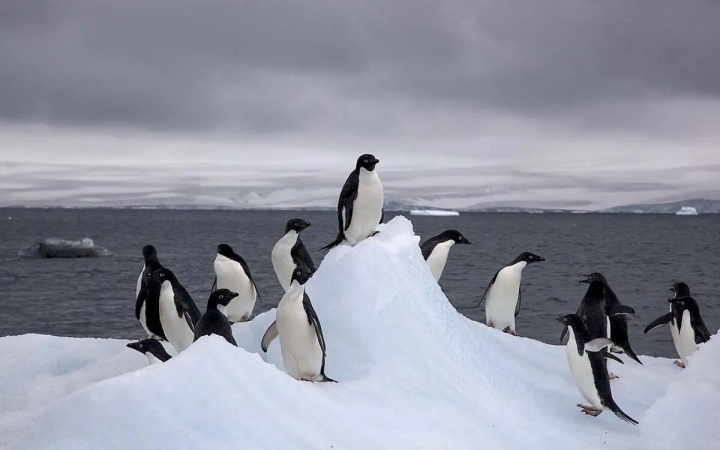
(590, 410)
(509, 331)
(679, 364)
(612, 376)
(374, 233)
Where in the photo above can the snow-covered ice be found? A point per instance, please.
(413, 374)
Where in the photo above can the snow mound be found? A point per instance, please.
(412, 372)
(60, 248)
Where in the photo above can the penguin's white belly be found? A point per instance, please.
(582, 372)
(299, 346)
(438, 258)
(230, 275)
(367, 208)
(176, 329)
(282, 260)
(686, 338)
(675, 333)
(502, 299)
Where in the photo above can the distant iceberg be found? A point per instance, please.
(412, 373)
(433, 212)
(687, 211)
(60, 248)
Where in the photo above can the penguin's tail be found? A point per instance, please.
(612, 406)
(629, 351)
(338, 240)
(326, 379)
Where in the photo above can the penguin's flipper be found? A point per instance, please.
(487, 289)
(314, 321)
(618, 309)
(270, 334)
(519, 300)
(382, 216)
(597, 344)
(701, 332)
(662, 320)
(609, 355)
(214, 286)
(563, 334)
(301, 256)
(140, 298)
(189, 321)
(348, 195)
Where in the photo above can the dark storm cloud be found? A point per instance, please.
(293, 66)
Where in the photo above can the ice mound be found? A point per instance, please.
(412, 372)
(60, 248)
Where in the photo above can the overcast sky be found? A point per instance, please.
(624, 90)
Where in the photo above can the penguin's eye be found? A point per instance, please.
(365, 160)
(297, 224)
(682, 302)
(221, 297)
(162, 275)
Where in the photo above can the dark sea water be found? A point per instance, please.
(641, 256)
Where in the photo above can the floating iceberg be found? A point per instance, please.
(433, 212)
(687, 211)
(412, 374)
(60, 248)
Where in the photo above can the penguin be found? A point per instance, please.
(215, 321)
(360, 205)
(680, 289)
(151, 348)
(302, 343)
(232, 272)
(436, 249)
(151, 264)
(618, 331)
(595, 313)
(504, 293)
(289, 252)
(691, 327)
(176, 311)
(588, 367)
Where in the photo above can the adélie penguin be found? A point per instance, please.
(360, 205)
(302, 343)
(504, 293)
(215, 320)
(618, 324)
(176, 311)
(691, 327)
(151, 348)
(588, 367)
(289, 252)
(150, 264)
(680, 289)
(232, 272)
(436, 249)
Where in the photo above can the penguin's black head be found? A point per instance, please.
(680, 289)
(160, 275)
(222, 297)
(454, 235)
(225, 250)
(367, 162)
(528, 258)
(595, 276)
(149, 252)
(296, 225)
(146, 346)
(570, 320)
(301, 274)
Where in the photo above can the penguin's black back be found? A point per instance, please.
(592, 311)
(214, 322)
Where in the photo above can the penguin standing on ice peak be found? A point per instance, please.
(588, 367)
(360, 206)
(151, 348)
(171, 305)
(302, 343)
(436, 249)
(618, 331)
(150, 264)
(233, 273)
(691, 327)
(504, 293)
(289, 252)
(215, 320)
(680, 289)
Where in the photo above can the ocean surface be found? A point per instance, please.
(641, 256)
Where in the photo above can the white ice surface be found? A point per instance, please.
(412, 372)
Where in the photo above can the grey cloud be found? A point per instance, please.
(314, 66)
